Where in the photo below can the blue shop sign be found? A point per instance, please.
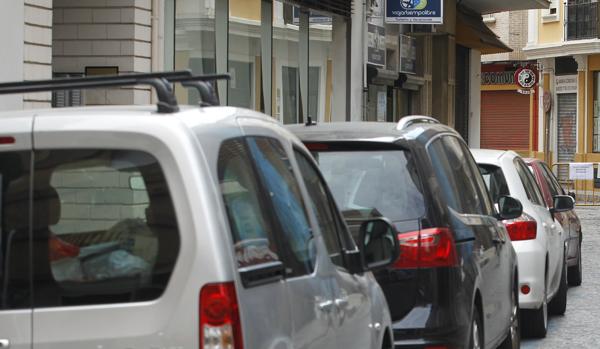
(414, 11)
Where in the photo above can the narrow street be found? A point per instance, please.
(579, 327)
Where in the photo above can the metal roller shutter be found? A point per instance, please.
(339, 7)
(504, 120)
(567, 131)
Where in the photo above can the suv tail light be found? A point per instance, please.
(428, 248)
(220, 326)
(522, 228)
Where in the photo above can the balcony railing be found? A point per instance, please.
(582, 21)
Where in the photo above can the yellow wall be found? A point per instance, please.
(552, 31)
(593, 65)
(247, 9)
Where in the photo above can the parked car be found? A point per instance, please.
(569, 220)
(537, 238)
(455, 282)
(176, 227)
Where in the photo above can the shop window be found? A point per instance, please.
(244, 54)
(320, 73)
(195, 42)
(286, 79)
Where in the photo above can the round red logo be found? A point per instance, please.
(525, 78)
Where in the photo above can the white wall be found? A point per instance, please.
(357, 59)
(11, 54)
(475, 99)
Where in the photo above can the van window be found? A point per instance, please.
(15, 288)
(275, 171)
(266, 212)
(324, 209)
(247, 206)
(104, 228)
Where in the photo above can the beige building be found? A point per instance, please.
(565, 41)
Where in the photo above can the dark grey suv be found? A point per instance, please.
(455, 282)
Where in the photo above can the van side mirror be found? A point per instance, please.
(509, 207)
(378, 243)
(563, 203)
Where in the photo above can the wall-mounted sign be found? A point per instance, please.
(581, 170)
(414, 11)
(525, 78)
(498, 78)
(408, 54)
(566, 84)
(376, 45)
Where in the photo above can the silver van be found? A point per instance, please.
(176, 227)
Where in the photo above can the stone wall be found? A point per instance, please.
(100, 33)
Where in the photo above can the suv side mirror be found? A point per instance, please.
(563, 203)
(509, 207)
(378, 243)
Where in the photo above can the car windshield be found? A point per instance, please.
(494, 180)
(373, 183)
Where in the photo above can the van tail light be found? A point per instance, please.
(522, 228)
(220, 326)
(428, 248)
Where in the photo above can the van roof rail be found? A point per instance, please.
(161, 81)
(415, 119)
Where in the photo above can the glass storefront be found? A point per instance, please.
(244, 54)
(279, 55)
(195, 41)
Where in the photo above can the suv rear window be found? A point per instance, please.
(373, 183)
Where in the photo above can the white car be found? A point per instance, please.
(537, 238)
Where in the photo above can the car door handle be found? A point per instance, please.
(4, 343)
(341, 302)
(326, 306)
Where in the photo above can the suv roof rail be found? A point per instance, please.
(415, 119)
(161, 81)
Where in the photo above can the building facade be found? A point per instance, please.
(564, 40)
(327, 60)
(509, 114)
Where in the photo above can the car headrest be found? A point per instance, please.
(46, 206)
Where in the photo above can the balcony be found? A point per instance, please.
(582, 21)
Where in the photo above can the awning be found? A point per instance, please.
(473, 33)
(493, 6)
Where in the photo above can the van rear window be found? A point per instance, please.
(373, 183)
